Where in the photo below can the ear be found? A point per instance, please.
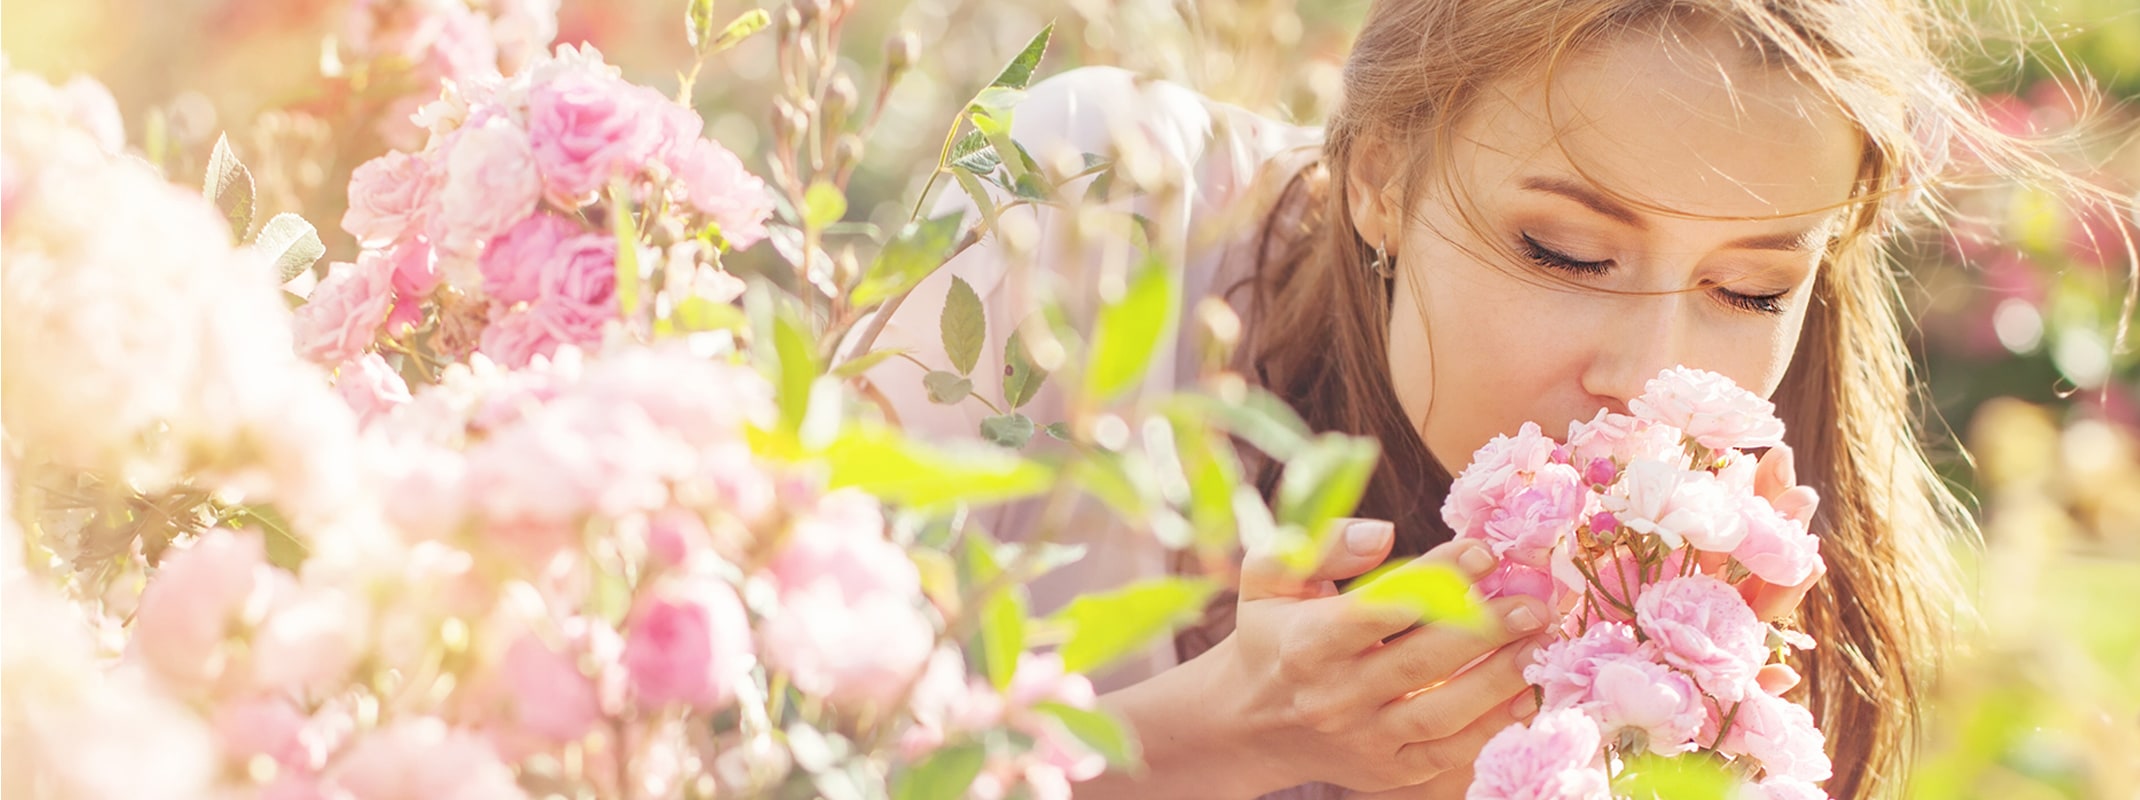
(1371, 196)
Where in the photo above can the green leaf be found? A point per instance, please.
(698, 24)
(1437, 592)
(743, 27)
(1106, 627)
(1103, 476)
(703, 314)
(1059, 430)
(1099, 731)
(964, 325)
(1003, 634)
(1019, 73)
(798, 368)
(1021, 378)
(1690, 777)
(284, 548)
(982, 200)
(292, 242)
(1008, 430)
(905, 472)
(996, 125)
(229, 185)
(620, 215)
(946, 773)
(1128, 331)
(917, 251)
(864, 362)
(972, 153)
(1322, 483)
(823, 205)
(946, 388)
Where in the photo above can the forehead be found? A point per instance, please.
(1686, 120)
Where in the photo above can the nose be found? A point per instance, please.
(1644, 335)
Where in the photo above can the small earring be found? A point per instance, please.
(1382, 265)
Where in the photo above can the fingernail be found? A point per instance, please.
(1476, 560)
(1522, 619)
(1367, 538)
(1525, 705)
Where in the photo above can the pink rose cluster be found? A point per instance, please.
(1650, 533)
(423, 44)
(504, 211)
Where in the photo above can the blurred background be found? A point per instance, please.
(2033, 407)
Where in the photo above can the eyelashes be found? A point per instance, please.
(1551, 259)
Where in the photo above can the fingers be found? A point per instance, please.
(1447, 761)
(1797, 503)
(1775, 472)
(1776, 679)
(1358, 545)
(1434, 653)
(1492, 691)
(1771, 602)
(1350, 624)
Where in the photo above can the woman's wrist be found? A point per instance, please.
(1198, 742)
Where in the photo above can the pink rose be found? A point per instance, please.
(552, 698)
(1681, 506)
(1777, 549)
(91, 107)
(849, 649)
(842, 544)
(588, 129)
(1710, 408)
(1702, 626)
(198, 597)
(421, 759)
(308, 644)
(720, 187)
(1554, 758)
(370, 387)
(1631, 693)
(414, 268)
(490, 184)
(345, 311)
(1778, 733)
(515, 338)
(1511, 579)
(1498, 470)
(262, 726)
(389, 196)
(1567, 669)
(1621, 440)
(1532, 520)
(513, 263)
(688, 645)
(583, 272)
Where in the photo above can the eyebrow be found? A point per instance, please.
(1803, 241)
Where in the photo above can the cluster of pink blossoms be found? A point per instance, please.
(496, 233)
(416, 46)
(1647, 531)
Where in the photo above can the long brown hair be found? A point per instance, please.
(1886, 607)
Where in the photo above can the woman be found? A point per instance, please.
(1520, 212)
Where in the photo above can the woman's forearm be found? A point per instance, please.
(1194, 746)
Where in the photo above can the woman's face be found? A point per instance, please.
(1481, 341)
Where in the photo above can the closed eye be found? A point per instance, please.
(1552, 259)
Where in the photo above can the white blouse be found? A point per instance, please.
(1229, 164)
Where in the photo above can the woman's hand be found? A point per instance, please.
(1329, 687)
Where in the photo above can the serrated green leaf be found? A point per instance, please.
(698, 23)
(1129, 330)
(1022, 379)
(292, 242)
(1059, 430)
(982, 200)
(1019, 73)
(917, 251)
(864, 362)
(944, 775)
(627, 232)
(1007, 430)
(996, 125)
(1003, 634)
(905, 472)
(1108, 626)
(229, 185)
(1435, 591)
(1099, 731)
(823, 205)
(964, 325)
(972, 153)
(946, 388)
